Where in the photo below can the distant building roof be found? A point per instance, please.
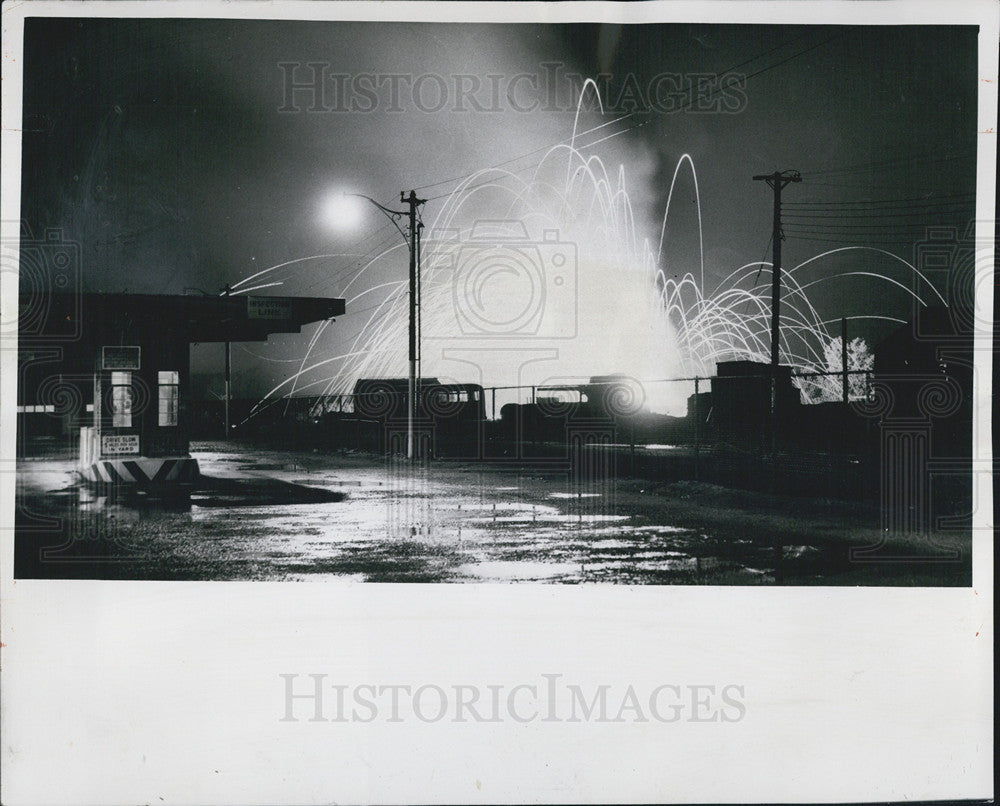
(726, 369)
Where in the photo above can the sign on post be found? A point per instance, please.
(120, 358)
(112, 444)
(268, 308)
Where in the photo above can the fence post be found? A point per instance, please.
(632, 444)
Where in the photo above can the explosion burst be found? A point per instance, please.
(497, 310)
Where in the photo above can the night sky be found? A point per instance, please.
(168, 149)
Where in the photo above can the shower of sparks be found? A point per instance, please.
(618, 311)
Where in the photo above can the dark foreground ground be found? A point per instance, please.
(278, 515)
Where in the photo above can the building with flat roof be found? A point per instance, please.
(114, 371)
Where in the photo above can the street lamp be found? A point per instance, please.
(341, 212)
(413, 243)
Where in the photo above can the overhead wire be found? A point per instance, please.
(548, 147)
(926, 157)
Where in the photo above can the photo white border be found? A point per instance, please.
(168, 692)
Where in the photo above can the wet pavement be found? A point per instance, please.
(276, 515)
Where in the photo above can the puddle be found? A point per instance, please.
(527, 518)
(307, 520)
(518, 571)
(663, 530)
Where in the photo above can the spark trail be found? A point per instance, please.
(492, 296)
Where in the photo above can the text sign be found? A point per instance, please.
(120, 357)
(119, 443)
(268, 308)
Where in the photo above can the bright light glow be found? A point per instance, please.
(342, 212)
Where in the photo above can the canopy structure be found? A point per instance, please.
(70, 318)
(113, 370)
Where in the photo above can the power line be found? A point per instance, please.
(532, 153)
(760, 268)
(845, 186)
(923, 199)
(876, 221)
(871, 209)
(595, 128)
(858, 238)
(879, 165)
(856, 227)
(821, 216)
(338, 273)
(715, 92)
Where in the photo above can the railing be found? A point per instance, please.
(524, 394)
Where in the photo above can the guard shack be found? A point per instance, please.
(128, 356)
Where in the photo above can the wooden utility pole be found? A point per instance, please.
(776, 182)
(413, 390)
(843, 360)
(229, 370)
(697, 428)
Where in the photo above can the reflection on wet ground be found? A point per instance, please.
(268, 515)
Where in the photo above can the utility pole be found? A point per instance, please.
(843, 359)
(845, 380)
(413, 242)
(412, 387)
(697, 428)
(229, 369)
(776, 182)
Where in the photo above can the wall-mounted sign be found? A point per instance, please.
(268, 308)
(120, 357)
(112, 444)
